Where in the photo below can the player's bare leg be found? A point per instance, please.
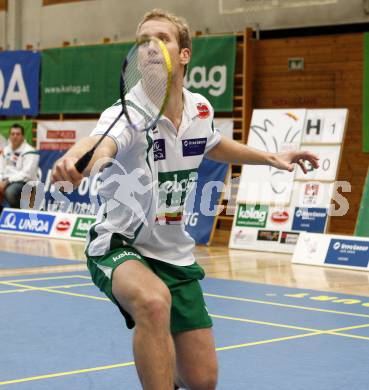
(197, 367)
(147, 299)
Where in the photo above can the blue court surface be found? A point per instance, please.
(9, 260)
(58, 332)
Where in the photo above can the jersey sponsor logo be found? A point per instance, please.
(203, 110)
(159, 149)
(63, 225)
(173, 190)
(193, 147)
(127, 253)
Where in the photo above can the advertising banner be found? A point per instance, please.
(82, 79)
(332, 251)
(274, 206)
(201, 206)
(40, 223)
(85, 79)
(211, 70)
(19, 221)
(272, 131)
(19, 83)
(61, 135)
(77, 202)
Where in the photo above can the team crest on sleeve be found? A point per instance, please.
(159, 149)
(203, 110)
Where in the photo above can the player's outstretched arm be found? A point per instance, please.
(64, 169)
(235, 153)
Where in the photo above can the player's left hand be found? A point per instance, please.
(286, 160)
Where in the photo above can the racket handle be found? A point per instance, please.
(82, 163)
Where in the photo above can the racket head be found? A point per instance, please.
(145, 82)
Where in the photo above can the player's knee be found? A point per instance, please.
(206, 381)
(154, 309)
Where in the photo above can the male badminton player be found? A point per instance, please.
(138, 252)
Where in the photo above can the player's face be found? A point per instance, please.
(167, 32)
(16, 138)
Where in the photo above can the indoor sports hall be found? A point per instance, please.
(144, 144)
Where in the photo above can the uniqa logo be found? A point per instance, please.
(10, 221)
(215, 80)
(16, 90)
(34, 225)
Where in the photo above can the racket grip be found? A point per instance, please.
(82, 163)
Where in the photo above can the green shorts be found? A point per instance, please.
(188, 309)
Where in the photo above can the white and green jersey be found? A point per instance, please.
(144, 190)
(20, 164)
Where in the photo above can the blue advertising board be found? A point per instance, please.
(24, 222)
(348, 253)
(202, 203)
(77, 202)
(310, 219)
(200, 208)
(19, 83)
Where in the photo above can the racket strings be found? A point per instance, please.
(146, 76)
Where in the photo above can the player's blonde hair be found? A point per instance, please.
(184, 33)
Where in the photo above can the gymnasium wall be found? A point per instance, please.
(89, 21)
(332, 78)
(2, 28)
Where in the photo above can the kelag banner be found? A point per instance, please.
(211, 70)
(201, 206)
(81, 79)
(19, 83)
(6, 125)
(86, 79)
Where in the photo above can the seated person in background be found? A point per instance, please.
(19, 165)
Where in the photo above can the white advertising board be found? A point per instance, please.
(271, 131)
(332, 251)
(273, 207)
